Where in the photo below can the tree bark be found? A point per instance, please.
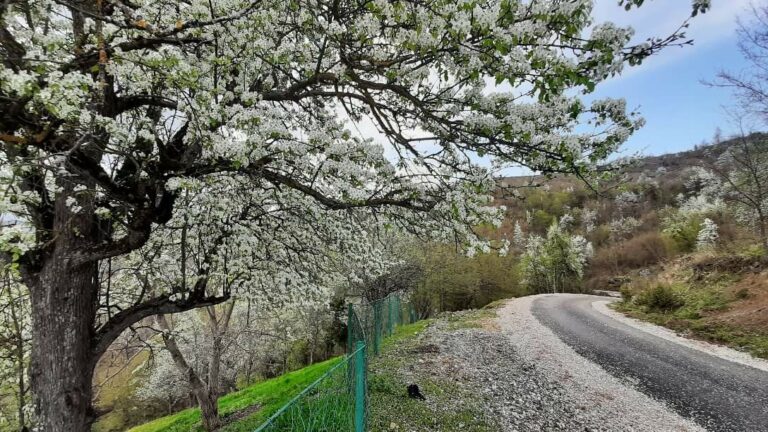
(206, 398)
(218, 327)
(64, 295)
(63, 313)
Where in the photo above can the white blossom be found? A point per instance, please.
(708, 235)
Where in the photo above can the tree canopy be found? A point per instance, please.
(122, 119)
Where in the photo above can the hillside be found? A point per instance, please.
(643, 242)
(645, 228)
(248, 408)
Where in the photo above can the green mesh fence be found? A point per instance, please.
(372, 322)
(335, 402)
(338, 401)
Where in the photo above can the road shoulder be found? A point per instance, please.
(719, 351)
(604, 399)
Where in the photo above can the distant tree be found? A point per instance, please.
(717, 138)
(741, 174)
(588, 219)
(15, 344)
(164, 384)
(401, 278)
(708, 235)
(519, 236)
(555, 263)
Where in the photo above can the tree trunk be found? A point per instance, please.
(763, 231)
(209, 408)
(20, 370)
(206, 399)
(64, 297)
(63, 313)
(214, 366)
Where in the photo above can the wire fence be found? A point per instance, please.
(338, 401)
(374, 321)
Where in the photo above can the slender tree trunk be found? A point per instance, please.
(214, 366)
(763, 231)
(206, 400)
(20, 370)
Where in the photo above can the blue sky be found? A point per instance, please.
(667, 89)
(680, 111)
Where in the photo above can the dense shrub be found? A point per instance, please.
(601, 236)
(661, 298)
(626, 294)
(541, 220)
(452, 281)
(638, 252)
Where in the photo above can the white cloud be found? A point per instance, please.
(661, 18)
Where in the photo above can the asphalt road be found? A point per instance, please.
(718, 394)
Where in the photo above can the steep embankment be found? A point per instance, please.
(246, 409)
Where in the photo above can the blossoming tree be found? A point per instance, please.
(107, 105)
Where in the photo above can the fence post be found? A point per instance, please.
(360, 387)
(399, 311)
(377, 328)
(349, 328)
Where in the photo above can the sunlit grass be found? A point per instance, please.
(268, 396)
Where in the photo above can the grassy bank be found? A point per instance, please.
(754, 342)
(250, 406)
(719, 299)
(449, 408)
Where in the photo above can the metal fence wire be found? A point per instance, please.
(338, 400)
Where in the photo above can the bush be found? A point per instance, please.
(626, 294)
(755, 251)
(660, 298)
(600, 236)
(682, 228)
(742, 294)
(638, 252)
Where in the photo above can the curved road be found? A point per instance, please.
(716, 393)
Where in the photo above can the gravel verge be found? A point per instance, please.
(519, 376)
(604, 402)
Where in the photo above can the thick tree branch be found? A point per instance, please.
(335, 204)
(155, 306)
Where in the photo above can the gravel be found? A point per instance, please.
(526, 379)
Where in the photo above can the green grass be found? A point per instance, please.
(268, 395)
(470, 319)
(449, 408)
(392, 409)
(689, 317)
(405, 332)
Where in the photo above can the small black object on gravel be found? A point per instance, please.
(414, 392)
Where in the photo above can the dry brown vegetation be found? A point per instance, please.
(714, 296)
